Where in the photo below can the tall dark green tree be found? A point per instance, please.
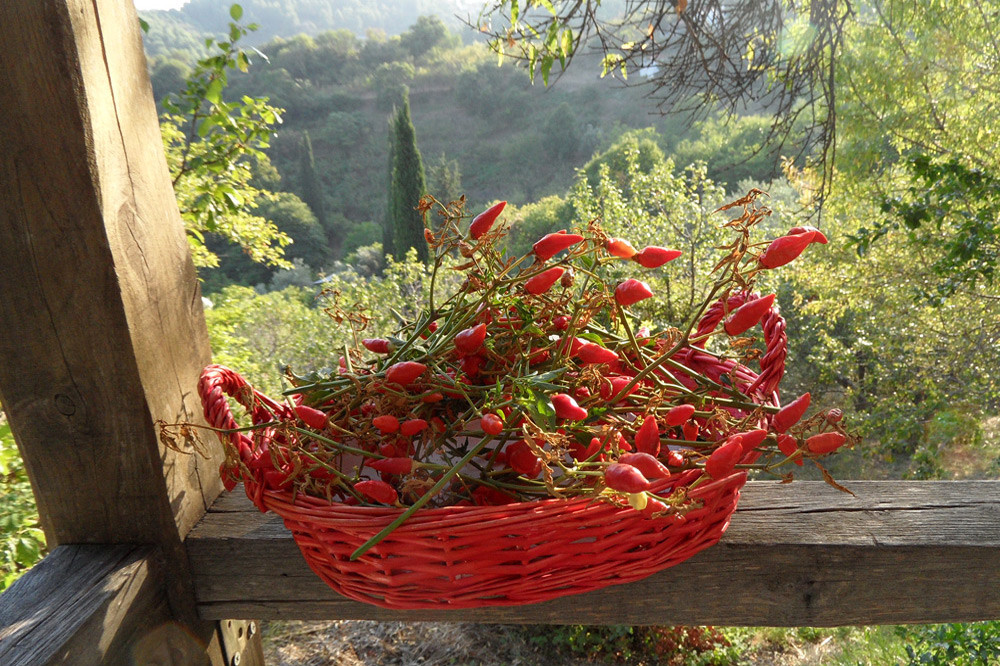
(312, 191)
(407, 185)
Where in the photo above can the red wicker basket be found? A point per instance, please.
(522, 553)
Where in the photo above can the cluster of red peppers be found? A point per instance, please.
(534, 380)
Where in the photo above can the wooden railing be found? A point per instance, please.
(101, 333)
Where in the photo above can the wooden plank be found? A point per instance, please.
(103, 327)
(801, 554)
(87, 605)
(103, 330)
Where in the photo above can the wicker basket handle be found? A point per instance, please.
(218, 381)
(772, 363)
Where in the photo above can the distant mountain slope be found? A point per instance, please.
(184, 29)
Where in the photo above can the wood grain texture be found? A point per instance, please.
(86, 605)
(103, 329)
(801, 554)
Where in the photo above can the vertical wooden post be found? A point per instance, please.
(101, 323)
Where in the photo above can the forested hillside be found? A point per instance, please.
(179, 31)
(485, 131)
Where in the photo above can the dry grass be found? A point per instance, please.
(356, 643)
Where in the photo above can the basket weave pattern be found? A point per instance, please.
(473, 556)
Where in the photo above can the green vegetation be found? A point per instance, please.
(407, 185)
(22, 542)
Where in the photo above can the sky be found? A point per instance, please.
(159, 4)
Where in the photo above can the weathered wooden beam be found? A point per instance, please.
(102, 326)
(91, 605)
(800, 554)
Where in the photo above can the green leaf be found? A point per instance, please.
(27, 551)
(547, 4)
(236, 12)
(144, 25)
(213, 94)
(547, 61)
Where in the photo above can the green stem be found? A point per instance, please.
(435, 489)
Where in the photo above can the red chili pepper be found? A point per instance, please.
(790, 414)
(489, 496)
(653, 507)
(378, 345)
(566, 407)
(834, 415)
(817, 237)
(277, 479)
(471, 365)
(537, 356)
(784, 250)
(392, 465)
(386, 423)
(404, 373)
(491, 424)
(752, 439)
(747, 315)
(614, 385)
(621, 248)
(431, 398)
(650, 467)
(825, 442)
(471, 339)
(523, 460)
(550, 245)
(561, 323)
(632, 291)
(788, 445)
(591, 352)
(723, 460)
(541, 283)
(377, 491)
(581, 453)
(411, 427)
(230, 476)
(675, 459)
(571, 346)
(311, 416)
(647, 437)
(484, 221)
(654, 256)
(625, 478)
(679, 415)
(690, 430)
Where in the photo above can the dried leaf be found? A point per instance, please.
(829, 479)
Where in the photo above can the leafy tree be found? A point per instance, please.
(694, 56)
(427, 33)
(920, 141)
(406, 187)
(652, 204)
(295, 218)
(444, 178)
(634, 150)
(390, 81)
(210, 144)
(532, 221)
(168, 76)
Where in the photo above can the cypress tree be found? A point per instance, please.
(407, 185)
(387, 225)
(312, 191)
